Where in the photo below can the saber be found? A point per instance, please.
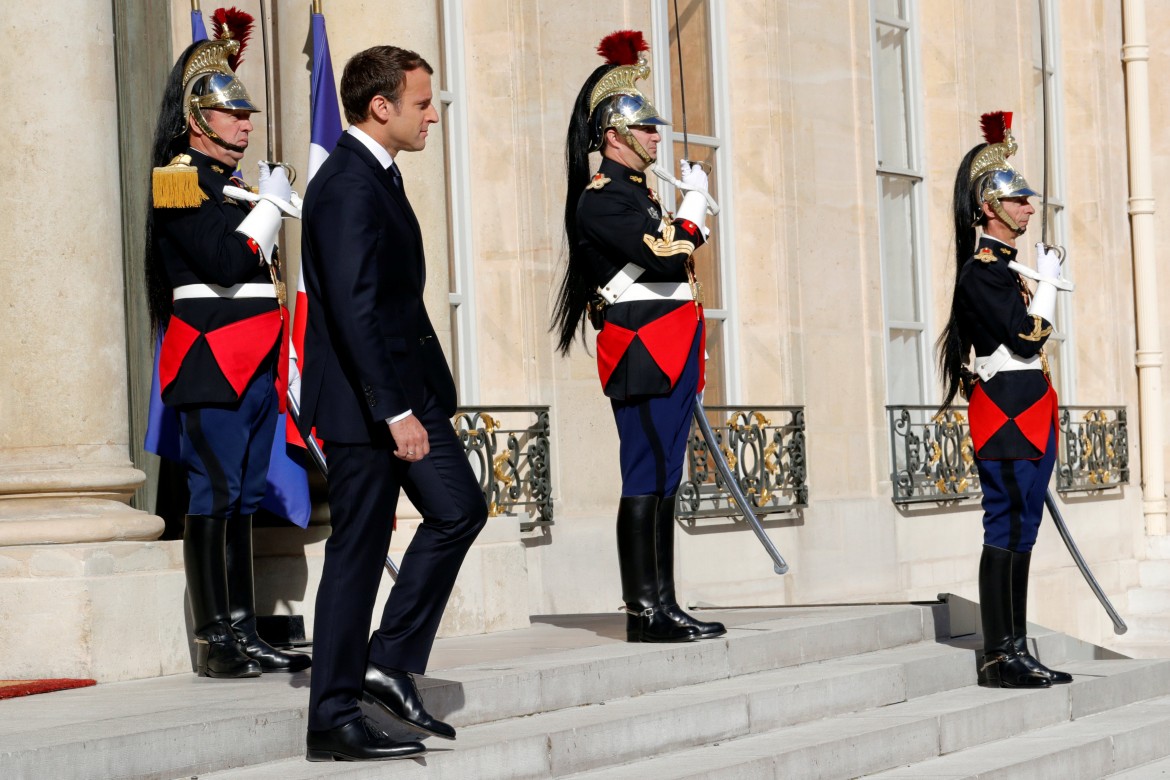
(741, 501)
(1119, 626)
(682, 87)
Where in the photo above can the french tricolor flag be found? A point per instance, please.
(326, 129)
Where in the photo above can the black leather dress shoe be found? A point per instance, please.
(396, 693)
(358, 740)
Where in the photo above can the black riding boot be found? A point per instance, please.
(218, 653)
(664, 536)
(1021, 562)
(646, 621)
(1001, 666)
(242, 603)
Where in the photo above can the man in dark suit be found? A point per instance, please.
(376, 387)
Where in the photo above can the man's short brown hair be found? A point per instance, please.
(379, 70)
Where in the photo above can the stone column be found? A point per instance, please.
(69, 543)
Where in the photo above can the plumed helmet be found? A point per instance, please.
(615, 100)
(992, 177)
(209, 74)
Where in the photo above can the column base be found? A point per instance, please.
(108, 611)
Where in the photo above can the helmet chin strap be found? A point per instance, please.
(624, 132)
(1000, 212)
(201, 121)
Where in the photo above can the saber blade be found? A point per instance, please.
(732, 485)
(682, 87)
(1119, 626)
(1044, 119)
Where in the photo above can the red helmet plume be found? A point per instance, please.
(996, 126)
(622, 47)
(236, 24)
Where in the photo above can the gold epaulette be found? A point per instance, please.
(985, 255)
(176, 185)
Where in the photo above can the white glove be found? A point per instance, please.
(1047, 272)
(1048, 262)
(275, 188)
(693, 176)
(274, 182)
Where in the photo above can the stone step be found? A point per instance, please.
(1154, 574)
(886, 739)
(1102, 745)
(1148, 628)
(1154, 770)
(579, 739)
(1148, 601)
(182, 725)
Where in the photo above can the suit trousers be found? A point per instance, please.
(364, 483)
(1013, 498)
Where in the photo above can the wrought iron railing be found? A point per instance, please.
(508, 447)
(768, 459)
(933, 459)
(1094, 448)
(931, 455)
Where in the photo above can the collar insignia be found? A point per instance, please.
(636, 179)
(599, 181)
(985, 255)
(1003, 250)
(218, 170)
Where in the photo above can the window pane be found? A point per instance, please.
(899, 247)
(694, 18)
(707, 256)
(904, 367)
(890, 9)
(891, 98)
(715, 394)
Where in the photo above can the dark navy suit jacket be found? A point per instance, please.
(370, 348)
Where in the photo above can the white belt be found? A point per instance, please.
(247, 290)
(657, 291)
(612, 290)
(1003, 359)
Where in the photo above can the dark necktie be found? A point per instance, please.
(396, 176)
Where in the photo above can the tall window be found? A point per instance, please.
(453, 122)
(701, 31)
(1060, 357)
(900, 193)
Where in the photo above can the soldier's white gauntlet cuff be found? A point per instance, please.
(694, 209)
(262, 225)
(1044, 301)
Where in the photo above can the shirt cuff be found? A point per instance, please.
(398, 417)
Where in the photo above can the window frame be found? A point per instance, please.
(724, 238)
(461, 285)
(915, 174)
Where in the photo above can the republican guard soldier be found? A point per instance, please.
(214, 287)
(631, 271)
(1013, 407)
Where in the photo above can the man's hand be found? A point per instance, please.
(411, 439)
